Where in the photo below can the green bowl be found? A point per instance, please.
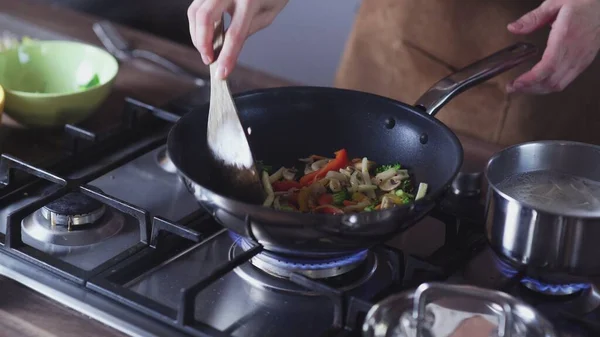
(52, 83)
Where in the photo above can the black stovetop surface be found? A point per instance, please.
(182, 275)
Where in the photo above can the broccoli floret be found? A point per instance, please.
(260, 166)
(405, 197)
(339, 197)
(369, 208)
(406, 185)
(383, 168)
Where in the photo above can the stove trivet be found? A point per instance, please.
(163, 160)
(347, 281)
(73, 220)
(581, 303)
(314, 268)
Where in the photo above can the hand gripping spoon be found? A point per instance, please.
(227, 138)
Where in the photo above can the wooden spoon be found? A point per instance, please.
(227, 138)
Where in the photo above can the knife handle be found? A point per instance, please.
(168, 65)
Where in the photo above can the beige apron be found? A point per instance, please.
(399, 48)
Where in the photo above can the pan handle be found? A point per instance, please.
(444, 90)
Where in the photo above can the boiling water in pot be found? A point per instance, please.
(555, 191)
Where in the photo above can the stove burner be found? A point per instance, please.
(554, 289)
(163, 160)
(537, 286)
(345, 282)
(314, 268)
(73, 220)
(73, 209)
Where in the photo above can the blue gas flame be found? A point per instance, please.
(542, 287)
(304, 263)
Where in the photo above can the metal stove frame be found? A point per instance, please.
(100, 292)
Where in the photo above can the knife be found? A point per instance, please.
(122, 50)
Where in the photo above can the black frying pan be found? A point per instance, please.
(294, 122)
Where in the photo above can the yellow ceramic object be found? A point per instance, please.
(1, 101)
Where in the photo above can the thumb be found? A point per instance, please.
(535, 19)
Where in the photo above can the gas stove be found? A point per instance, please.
(111, 231)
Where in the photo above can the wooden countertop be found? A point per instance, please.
(24, 312)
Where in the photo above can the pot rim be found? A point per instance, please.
(571, 214)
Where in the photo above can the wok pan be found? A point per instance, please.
(293, 122)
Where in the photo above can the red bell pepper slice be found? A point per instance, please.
(349, 203)
(325, 199)
(285, 185)
(340, 161)
(328, 209)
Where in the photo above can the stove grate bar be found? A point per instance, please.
(8, 165)
(160, 225)
(159, 113)
(13, 238)
(590, 325)
(130, 119)
(186, 309)
(356, 308)
(336, 296)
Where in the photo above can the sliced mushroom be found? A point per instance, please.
(392, 183)
(358, 164)
(316, 190)
(319, 164)
(347, 171)
(366, 188)
(356, 179)
(335, 185)
(277, 175)
(386, 202)
(289, 174)
(324, 181)
(385, 175)
(403, 173)
(337, 176)
(308, 169)
(367, 178)
(308, 161)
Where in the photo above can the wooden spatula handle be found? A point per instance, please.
(219, 37)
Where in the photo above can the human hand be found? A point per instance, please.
(573, 43)
(247, 17)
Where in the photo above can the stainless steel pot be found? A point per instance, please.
(543, 209)
(436, 309)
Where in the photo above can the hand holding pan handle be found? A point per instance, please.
(444, 90)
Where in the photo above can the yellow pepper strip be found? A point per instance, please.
(303, 196)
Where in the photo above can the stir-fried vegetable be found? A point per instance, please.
(339, 185)
(94, 81)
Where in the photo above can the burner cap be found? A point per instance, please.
(73, 209)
